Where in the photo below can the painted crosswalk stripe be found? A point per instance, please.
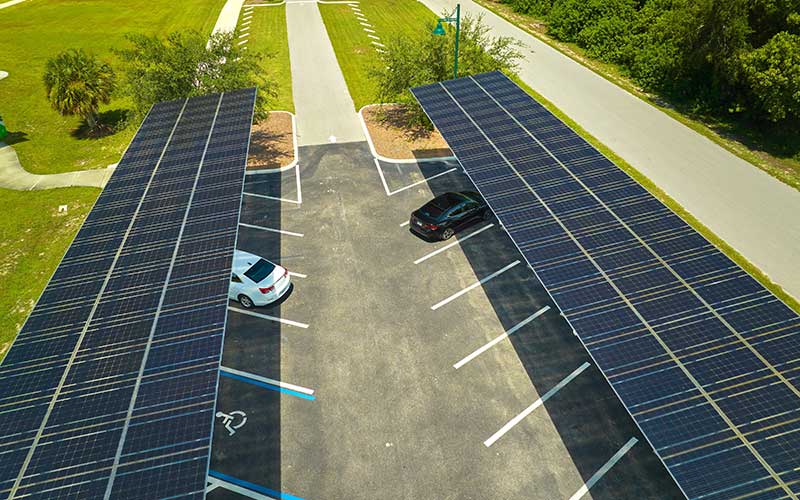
(508, 332)
(473, 286)
(539, 402)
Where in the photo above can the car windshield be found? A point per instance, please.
(260, 270)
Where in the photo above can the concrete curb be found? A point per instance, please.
(290, 165)
(393, 160)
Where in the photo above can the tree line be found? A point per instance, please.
(737, 57)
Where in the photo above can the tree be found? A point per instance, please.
(426, 58)
(77, 83)
(772, 74)
(187, 64)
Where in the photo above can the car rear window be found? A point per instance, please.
(260, 270)
(432, 209)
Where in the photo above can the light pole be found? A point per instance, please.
(440, 31)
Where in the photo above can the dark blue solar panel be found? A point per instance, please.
(110, 387)
(705, 359)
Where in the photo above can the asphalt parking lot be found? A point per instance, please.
(385, 372)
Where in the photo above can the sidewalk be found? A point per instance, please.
(13, 176)
(753, 212)
(228, 16)
(325, 112)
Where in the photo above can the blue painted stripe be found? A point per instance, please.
(251, 486)
(267, 386)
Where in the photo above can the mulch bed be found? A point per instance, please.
(271, 142)
(392, 139)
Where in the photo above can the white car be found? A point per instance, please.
(255, 281)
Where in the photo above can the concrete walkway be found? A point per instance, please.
(13, 176)
(753, 212)
(325, 112)
(228, 16)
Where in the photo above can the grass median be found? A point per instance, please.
(267, 34)
(354, 48)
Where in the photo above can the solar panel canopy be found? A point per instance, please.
(109, 389)
(705, 359)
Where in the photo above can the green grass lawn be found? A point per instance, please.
(354, 50)
(268, 35)
(36, 30)
(33, 237)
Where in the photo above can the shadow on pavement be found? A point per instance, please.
(252, 452)
(590, 419)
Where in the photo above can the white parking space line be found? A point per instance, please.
(299, 199)
(268, 317)
(423, 181)
(450, 245)
(297, 275)
(366, 24)
(508, 332)
(272, 230)
(404, 224)
(285, 385)
(605, 468)
(473, 286)
(539, 402)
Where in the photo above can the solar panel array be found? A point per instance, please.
(109, 389)
(705, 359)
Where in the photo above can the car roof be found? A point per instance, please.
(242, 261)
(450, 199)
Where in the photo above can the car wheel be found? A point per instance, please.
(246, 301)
(487, 214)
(447, 234)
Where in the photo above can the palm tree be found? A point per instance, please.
(77, 83)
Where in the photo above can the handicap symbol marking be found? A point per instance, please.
(227, 420)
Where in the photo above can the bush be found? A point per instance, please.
(188, 64)
(426, 58)
(772, 75)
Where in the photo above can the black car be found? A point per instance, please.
(446, 214)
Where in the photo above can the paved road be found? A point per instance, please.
(322, 102)
(13, 176)
(752, 211)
